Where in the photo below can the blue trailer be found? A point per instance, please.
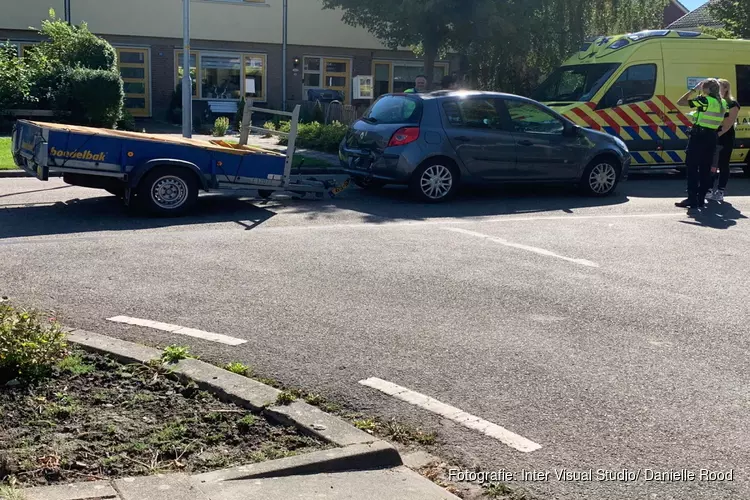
(161, 175)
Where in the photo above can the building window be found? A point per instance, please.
(193, 70)
(221, 76)
(311, 72)
(255, 75)
(225, 75)
(398, 76)
(327, 73)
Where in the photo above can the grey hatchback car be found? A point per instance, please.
(434, 142)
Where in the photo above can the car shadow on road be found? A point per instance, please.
(107, 213)
(395, 203)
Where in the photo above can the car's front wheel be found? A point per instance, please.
(601, 177)
(435, 181)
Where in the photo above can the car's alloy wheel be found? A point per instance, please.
(602, 178)
(436, 182)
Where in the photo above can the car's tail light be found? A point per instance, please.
(403, 136)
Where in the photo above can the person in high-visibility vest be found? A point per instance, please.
(706, 99)
(420, 85)
(726, 141)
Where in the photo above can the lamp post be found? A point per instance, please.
(187, 84)
(284, 27)
(66, 8)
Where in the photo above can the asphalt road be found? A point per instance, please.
(613, 332)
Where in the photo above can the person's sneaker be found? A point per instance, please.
(686, 203)
(718, 195)
(710, 194)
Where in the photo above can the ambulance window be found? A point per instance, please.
(743, 85)
(635, 84)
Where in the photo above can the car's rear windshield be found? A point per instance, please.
(395, 109)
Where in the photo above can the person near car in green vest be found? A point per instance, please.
(706, 99)
(420, 85)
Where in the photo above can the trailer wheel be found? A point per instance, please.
(168, 191)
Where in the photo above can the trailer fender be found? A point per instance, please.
(138, 172)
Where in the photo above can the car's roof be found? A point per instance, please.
(441, 94)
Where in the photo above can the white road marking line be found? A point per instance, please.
(502, 434)
(540, 251)
(190, 332)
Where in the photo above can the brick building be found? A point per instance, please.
(236, 49)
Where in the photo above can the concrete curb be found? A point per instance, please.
(248, 393)
(377, 455)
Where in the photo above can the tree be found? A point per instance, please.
(514, 44)
(735, 14)
(428, 26)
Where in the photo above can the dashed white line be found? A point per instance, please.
(468, 420)
(540, 251)
(167, 327)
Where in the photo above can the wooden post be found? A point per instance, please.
(247, 121)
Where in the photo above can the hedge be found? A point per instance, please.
(93, 97)
(314, 135)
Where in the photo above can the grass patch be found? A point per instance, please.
(175, 353)
(75, 365)
(128, 420)
(309, 162)
(6, 158)
(245, 423)
(286, 398)
(239, 369)
(9, 492)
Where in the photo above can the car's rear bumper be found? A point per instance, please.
(390, 167)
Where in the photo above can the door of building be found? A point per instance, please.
(336, 76)
(134, 69)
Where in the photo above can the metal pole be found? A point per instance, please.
(67, 12)
(187, 84)
(284, 28)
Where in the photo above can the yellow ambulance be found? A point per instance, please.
(628, 86)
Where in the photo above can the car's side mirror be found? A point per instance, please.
(570, 130)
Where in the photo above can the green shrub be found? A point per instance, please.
(270, 125)
(75, 46)
(126, 121)
(15, 80)
(92, 97)
(30, 344)
(317, 136)
(221, 126)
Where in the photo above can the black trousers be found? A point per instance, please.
(726, 145)
(700, 157)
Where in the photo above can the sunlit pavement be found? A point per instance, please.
(611, 332)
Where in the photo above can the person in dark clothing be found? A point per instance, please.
(726, 140)
(705, 98)
(449, 83)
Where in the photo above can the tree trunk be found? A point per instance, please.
(430, 54)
